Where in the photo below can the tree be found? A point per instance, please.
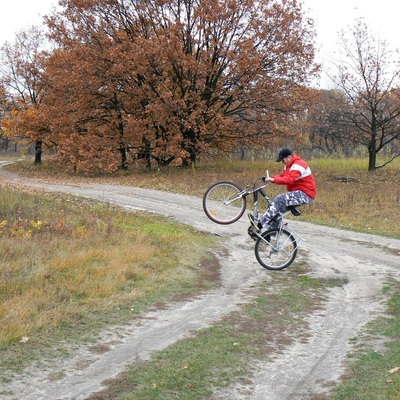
(168, 80)
(3, 110)
(84, 103)
(20, 74)
(329, 130)
(369, 76)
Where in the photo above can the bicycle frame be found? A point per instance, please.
(279, 218)
(255, 193)
(246, 192)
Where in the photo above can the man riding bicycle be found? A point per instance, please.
(300, 185)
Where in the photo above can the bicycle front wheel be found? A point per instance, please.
(276, 249)
(223, 202)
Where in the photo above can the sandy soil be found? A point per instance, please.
(306, 369)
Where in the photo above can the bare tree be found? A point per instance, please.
(369, 76)
(329, 130)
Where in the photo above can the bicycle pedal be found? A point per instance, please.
(251, 233)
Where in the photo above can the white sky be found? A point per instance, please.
(330, 18)
(16, 15)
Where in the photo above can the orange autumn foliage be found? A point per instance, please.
(156, 81)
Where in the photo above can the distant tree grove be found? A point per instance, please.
(119, 82)
(160, 81)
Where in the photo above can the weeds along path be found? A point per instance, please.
(362, 262)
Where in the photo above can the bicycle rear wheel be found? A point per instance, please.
(275, 249)
(223, 202)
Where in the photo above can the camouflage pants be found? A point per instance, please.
(281, 202)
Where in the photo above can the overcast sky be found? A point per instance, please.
(20, 14)
(330, 18)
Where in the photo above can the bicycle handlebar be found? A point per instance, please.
(265, 178)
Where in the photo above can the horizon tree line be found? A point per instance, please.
(117, 82)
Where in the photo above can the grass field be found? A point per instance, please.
(70, 266)
(67, 271)
(348, 197)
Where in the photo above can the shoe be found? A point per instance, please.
(255, 224)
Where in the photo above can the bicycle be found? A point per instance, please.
(225, 202)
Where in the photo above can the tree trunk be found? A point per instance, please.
(372, 159)
(190, 145)
(120, 127)
(372, 153)
(38, 152)
(124, 159)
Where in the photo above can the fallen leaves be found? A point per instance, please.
(394, 370)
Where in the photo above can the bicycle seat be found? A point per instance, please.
(294, 211)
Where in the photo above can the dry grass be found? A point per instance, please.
(348, 196)
(65, 260)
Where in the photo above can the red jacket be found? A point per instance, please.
(297, 176)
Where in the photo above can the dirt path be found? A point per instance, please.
(363, 262)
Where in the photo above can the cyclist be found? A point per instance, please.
(300, 185)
